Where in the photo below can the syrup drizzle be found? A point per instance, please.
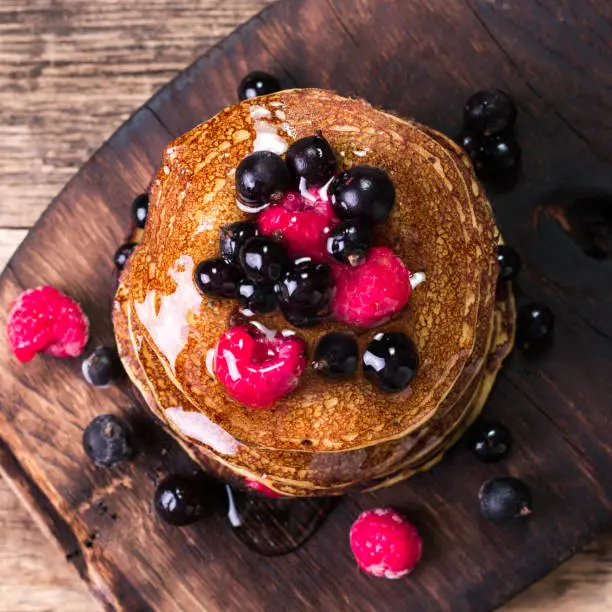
(273, 527)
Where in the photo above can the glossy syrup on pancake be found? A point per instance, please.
(317, 470)
(330, 473)
(441, 225)
(504, 326)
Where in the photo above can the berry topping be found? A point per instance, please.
(301, 222)
(44, 320)
(497, 159)
(349, 241)
(257, 369)
(489, 112)
(336, 355)
(257, 84)
(261, 178)
(264, 260)
(299, 319)
(261, 488)
(535, 324)
(306, 289)
(364, 192)
(181, 500)
(373, 292)
(232, 238)
(504, 499)
(123, 253)
(102, 367)
(312, 159)
(470, 143)
(509, 262)
(390, 361)
(218, 277)
(490, 441)
(140, 209)
(385, 544)
(107, 440)
(259, 299)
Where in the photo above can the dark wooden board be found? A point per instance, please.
(420, 58)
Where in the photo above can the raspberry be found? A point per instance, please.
(385, 544)
(48, 321)
(301, 222)
(372, 293)
(261, 488)
(258, 368)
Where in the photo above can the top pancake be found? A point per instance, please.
(441, 224)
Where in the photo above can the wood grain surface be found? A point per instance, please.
(70, 74)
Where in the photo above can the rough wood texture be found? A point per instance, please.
(548, 55)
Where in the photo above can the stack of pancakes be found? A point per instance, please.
(328, 436)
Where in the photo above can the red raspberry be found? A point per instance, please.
(301, 223)
(46, 320)
(385, 544)
(258, 368)
(261, 488)
(370, 294)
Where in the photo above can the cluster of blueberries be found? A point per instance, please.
(257, 270)
(488, 137)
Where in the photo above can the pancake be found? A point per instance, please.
(320, 471)
(441, 224)
(435, 438)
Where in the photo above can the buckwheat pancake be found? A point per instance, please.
(312, 467)
(439, 436)
(441, 224)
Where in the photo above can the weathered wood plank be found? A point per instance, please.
(72, 72)
(10, 239)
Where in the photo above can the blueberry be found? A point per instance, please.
(504, 499)
(312, 159)
(259, 299)
(256, 84)
(218, 277)
(181, 500)
(306, 289)
(300, 319)
(364, 192)
(123, 254)
(264, 260)
(107, 440)
(233, 236)
(140, 209)
(102, 367)
(490, 441)
(470, 143)
(489, 112)
(509, 262)
(390, 361)
(498, 159)
(336, 355)
(349, 241)
(261, 177)
(535, 324)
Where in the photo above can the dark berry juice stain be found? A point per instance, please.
(273, 527)
(585, 217)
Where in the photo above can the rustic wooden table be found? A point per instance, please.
(71, 71)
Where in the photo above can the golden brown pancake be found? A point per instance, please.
(432, 443)
(325, 437)
(438, 438)
(441, 224)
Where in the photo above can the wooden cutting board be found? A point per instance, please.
(423, 59)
